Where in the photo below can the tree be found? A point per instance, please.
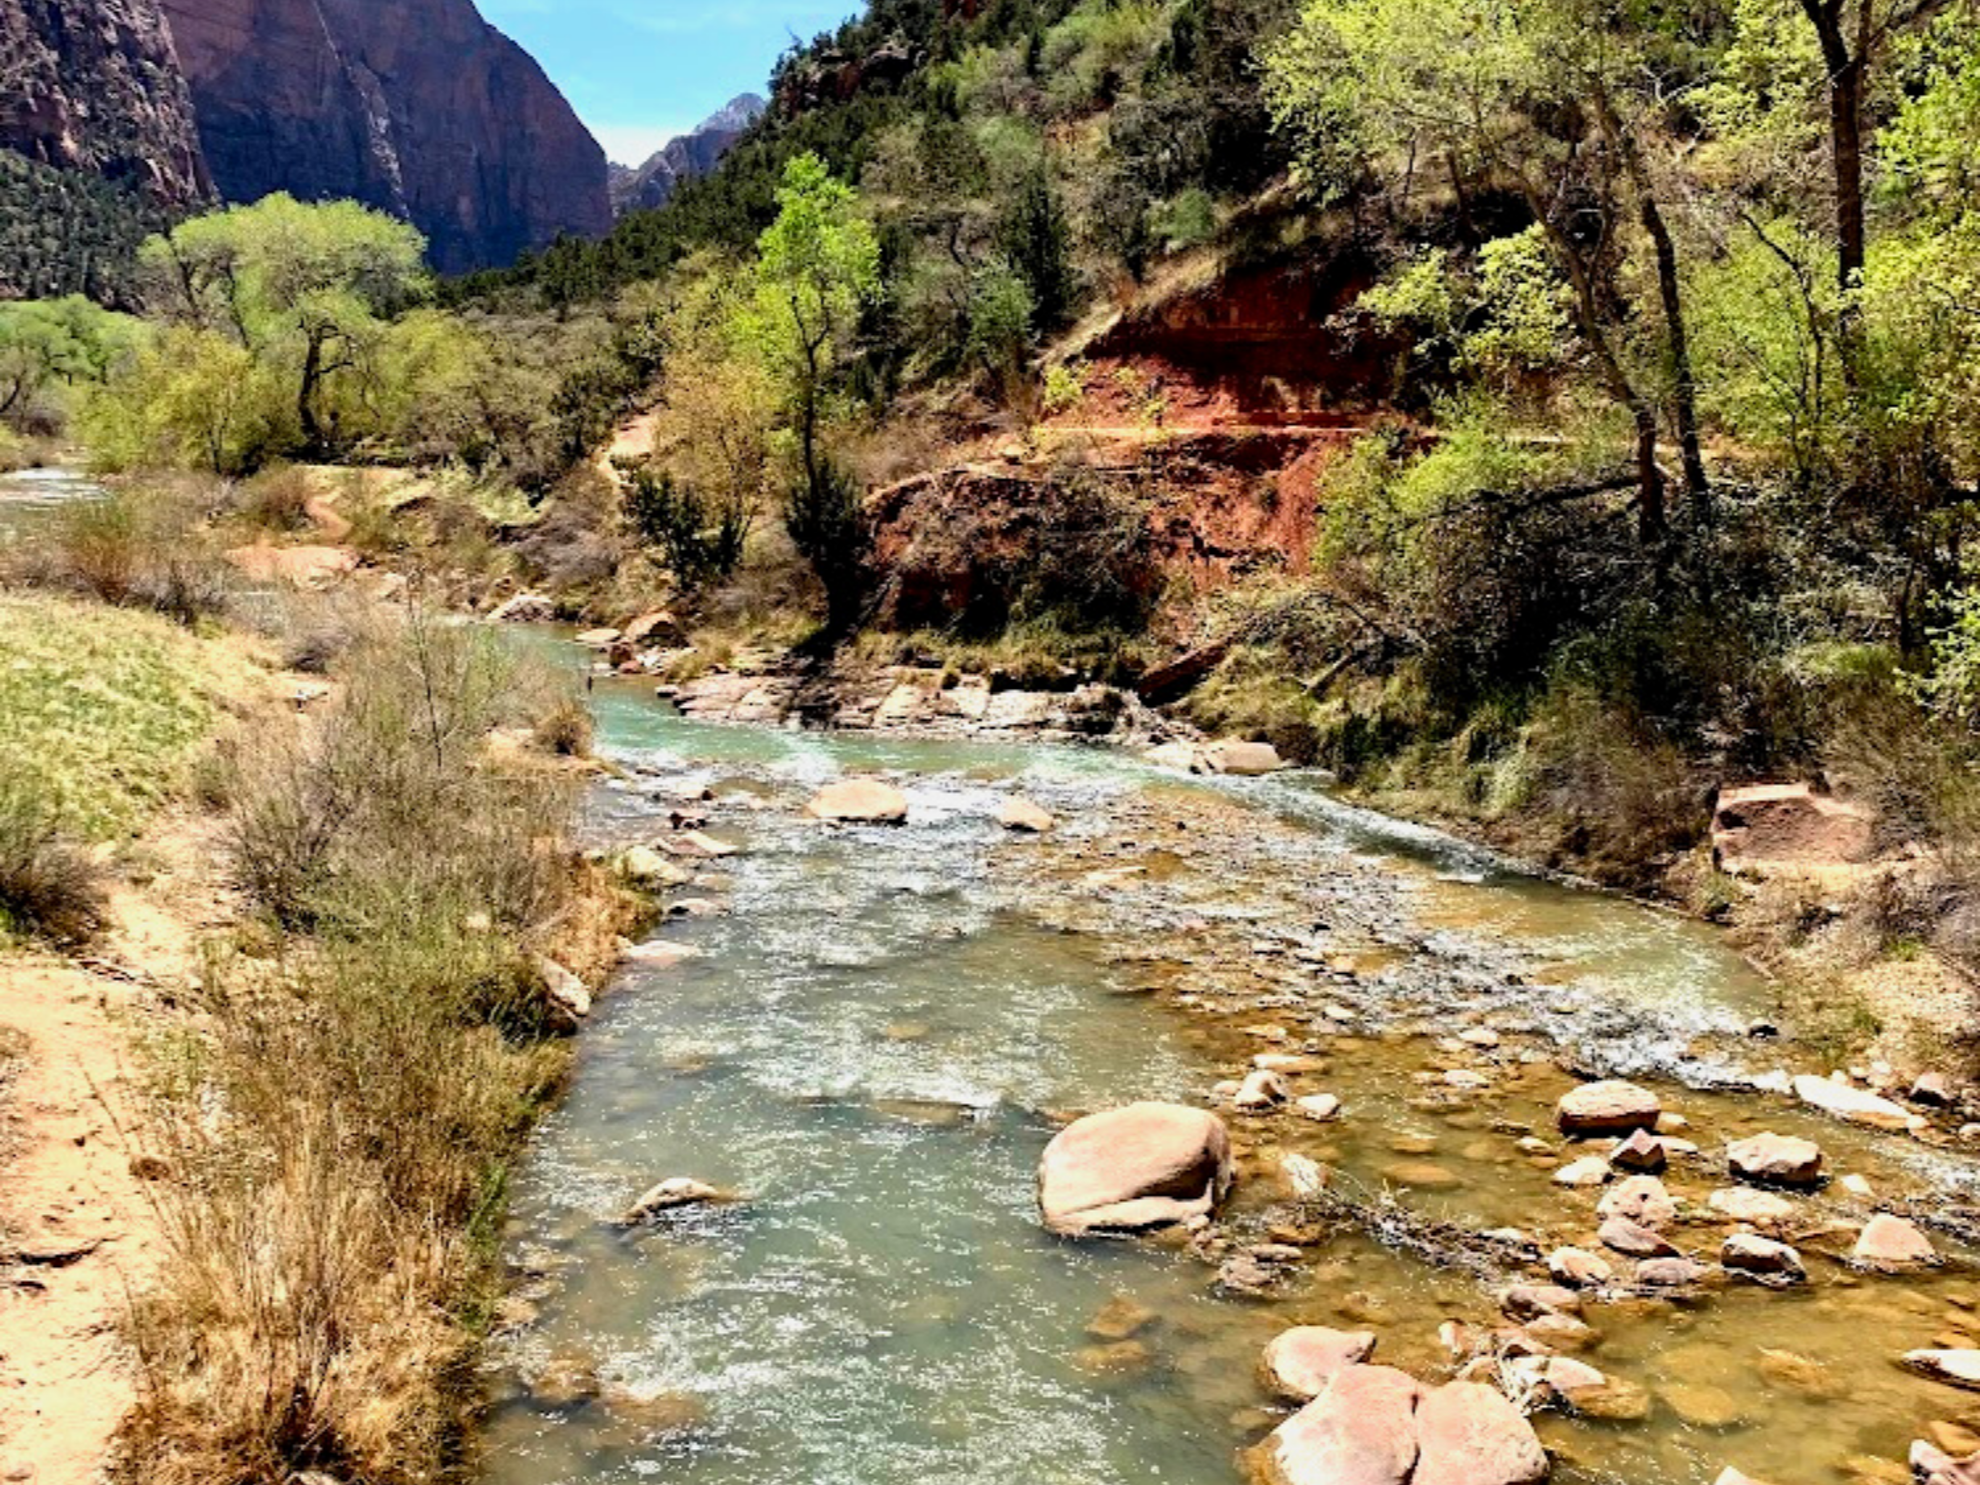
(59, 341)
(307, 288)
(817, 264)
(1545, 96)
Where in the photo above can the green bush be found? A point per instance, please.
(50, 886)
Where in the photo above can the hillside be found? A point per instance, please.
(687, 157)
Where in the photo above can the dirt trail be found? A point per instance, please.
(78, 1230)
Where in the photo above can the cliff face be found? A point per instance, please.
(418, 107)
(94, 86)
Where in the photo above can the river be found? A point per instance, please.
(882, 1028)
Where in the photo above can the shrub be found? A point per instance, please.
(826, 514)
(277, 499)
(50, 887)
(700, 540)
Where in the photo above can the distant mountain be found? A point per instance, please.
(686, 157)
(124, 113)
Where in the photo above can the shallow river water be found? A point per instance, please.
(878, 1037)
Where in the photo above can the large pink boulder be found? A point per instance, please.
(1360, 1431)
(1134, 1169)
(1299, 1363)
(1787, 825)
(1470, 1435)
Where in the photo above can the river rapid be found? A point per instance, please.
(883, 1028)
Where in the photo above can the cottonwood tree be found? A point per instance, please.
(1554, 98)
(817, 265)
(306, 288)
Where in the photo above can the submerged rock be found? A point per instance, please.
(1134, 1169)
(1891, 1245)
(1120, 1319)
(1590, 1170)
(1300, 1362)
(1760, 1208)
(859, 802)
(1610, 1107)
(1634, 1240)
(1261, 1092)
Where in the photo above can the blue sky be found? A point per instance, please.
(641, 71)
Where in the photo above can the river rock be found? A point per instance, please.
(1776, 1160)
(1562, 1376)
(1851, 1105)
(1303, 1177)
(526, 608)
(1577, 1268)
(1933, 1089)
(1891, 1245)
(1023, 816)
(1299, 1363)
(1121, 1318)
(1243, 759)
(646, 868)
(1590, 1170)
(1958, 1365)
(1180, 756)
(670, 1196)
(1758, 1257)
(570, 1002)
(859, 802)
(1532, 1301)
(1610, 1107)
(1760, 1208)
(1642, 1152)
(655, 627)
(1730, 1476)
(1641, 1199)
(1261, 1092)
(1322, 1108)
(1470, 1435)
(660, 953)
(1931, 1465)
(1134, 1169)
(1634, 1240)
(1360, 1431)
(1670, 1273)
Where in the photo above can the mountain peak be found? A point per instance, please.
(686, 157)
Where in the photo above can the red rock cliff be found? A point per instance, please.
(93, 85)
(418, 107)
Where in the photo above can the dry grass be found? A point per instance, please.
(50, 887)
(344, 1124)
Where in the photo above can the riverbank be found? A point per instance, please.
(320, 941)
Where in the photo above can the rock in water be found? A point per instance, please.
(1243, 759)
(671, 1195)
(859, 802)
(1891, 1244)
(1760, 1208)
(1025, 817)
(1299, 1363)
(1643, 1200)
(1776, 1160)
(1261, 1092)
(1611, 1107)
(1762, 1258)
(1851, 1105)
(1360, 1431)
(1470, 1435)
(1957, 1365)
(1134, 1169)
(1931, 1465)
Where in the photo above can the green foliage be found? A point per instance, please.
(700, 540)
(825, 512)
(50, 345)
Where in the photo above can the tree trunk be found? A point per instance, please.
(1846, 74)
(312, 373)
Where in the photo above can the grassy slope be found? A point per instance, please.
(100, 708)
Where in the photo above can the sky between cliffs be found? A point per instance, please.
(641, 71)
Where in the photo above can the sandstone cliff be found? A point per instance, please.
(418, 107)
(94, 86)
